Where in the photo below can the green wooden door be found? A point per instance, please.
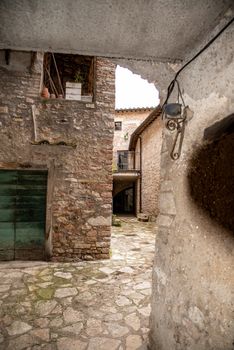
(22, 214)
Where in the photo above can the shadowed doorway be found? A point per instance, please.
(123, 202)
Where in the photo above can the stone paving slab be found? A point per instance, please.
(94, 305)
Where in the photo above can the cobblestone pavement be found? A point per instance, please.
(101, 305)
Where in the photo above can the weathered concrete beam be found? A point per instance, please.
(145, 30)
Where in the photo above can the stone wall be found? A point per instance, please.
(78, 156)
(192, 301)
(151, 155)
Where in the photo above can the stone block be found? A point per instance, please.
(90, 105)
(73, 97)
(87, 98)
(100, 221)
(102, 244)
(142, 217)
(167, 203)
(164, 220)
(82, 245)
(105, 250)
(3, 110)
(29, 100)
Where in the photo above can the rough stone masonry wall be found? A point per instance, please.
(193, 282)
(80, 179)
(151, 156)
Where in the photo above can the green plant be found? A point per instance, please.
(115, 221)
(78, 77)
(126, 137)
(114, 167)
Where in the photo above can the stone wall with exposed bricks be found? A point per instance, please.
(73, 140)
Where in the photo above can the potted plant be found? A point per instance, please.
(73, 89)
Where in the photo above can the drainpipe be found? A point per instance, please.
(140, 199)
(134, 160)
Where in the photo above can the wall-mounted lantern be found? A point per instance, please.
(176, 116)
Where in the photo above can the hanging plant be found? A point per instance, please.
(78, 77)
(126, 136)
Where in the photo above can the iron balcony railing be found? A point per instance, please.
(126, 161)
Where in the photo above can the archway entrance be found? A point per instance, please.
(124, 201)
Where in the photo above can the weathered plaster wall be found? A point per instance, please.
(153, 29)
(151, 156)
(130, 121)
(193, 282)
(80, 179)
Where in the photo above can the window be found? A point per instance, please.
(118, 126)
(69, 76)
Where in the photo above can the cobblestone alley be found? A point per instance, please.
(100, 305)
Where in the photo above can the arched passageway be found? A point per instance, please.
(124, 201)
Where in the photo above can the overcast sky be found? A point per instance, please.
(133, 91)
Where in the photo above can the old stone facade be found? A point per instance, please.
(125, 171)
(192, 299)
(151, 156)
(71, 140)
(130, 119)
(143, 145)
(147, 141)
(150, 142)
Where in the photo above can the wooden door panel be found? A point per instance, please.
(29, 235)
(22, 214)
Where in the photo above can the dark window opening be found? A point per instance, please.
(118, 126)
(68, 76)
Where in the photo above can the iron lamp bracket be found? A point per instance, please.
(176, 122)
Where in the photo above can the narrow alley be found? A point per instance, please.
(116, 108)
(89, 305)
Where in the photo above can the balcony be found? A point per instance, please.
(126, 164)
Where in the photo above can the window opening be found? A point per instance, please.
(118, 126)
(68, 76)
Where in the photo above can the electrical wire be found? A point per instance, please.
(172, 83)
